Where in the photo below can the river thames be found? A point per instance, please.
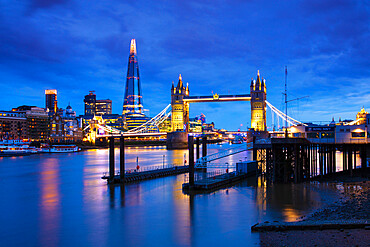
(61, 200)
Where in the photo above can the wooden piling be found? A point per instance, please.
(354, 157)
(296, 178)
(334, 159)
(350, 164)
(321, 161)
(122, 159)
(344, 158)
(197, 142)
(191, 160)
(363, 157)
(204, 150)
(111, 158)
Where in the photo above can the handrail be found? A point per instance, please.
(202, 162)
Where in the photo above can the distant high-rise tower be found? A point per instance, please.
(133, 102)
(95, 106)
(258, 104)
(51, 101)
(90, 103)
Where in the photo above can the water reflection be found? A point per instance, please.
(49, 202)
(74, 205)
(289, 202)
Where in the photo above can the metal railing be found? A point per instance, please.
(202, 162)
(209, 177)
(146, 169)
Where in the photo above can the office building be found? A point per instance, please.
(97, 107)
(89, 103)
(103, 107)
(51, 101)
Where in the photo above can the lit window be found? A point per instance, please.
(358, 134)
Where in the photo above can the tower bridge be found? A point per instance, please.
(178, 109)
(180, 100)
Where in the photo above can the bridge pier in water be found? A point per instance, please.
(177, 140)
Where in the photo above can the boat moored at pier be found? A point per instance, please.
(60, 149)
(16, 148)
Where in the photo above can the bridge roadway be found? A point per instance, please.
(136, 134)
(216, 97)
(149, 134)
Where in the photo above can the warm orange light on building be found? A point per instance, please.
(133, 47)
(51, 91)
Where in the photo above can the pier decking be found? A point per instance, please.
(145, 175)
(211, 183)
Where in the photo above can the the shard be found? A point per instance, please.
(133, 102)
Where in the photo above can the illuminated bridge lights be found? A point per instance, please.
(211, 98)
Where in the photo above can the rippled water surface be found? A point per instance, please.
(60, 200)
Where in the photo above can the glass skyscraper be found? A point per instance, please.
(133, 101)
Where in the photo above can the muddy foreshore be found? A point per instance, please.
(344, 222)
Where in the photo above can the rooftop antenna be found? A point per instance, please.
(286, 102)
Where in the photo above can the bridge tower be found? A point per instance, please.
(180, 109)
(258, 104)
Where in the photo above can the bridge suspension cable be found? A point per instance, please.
(153, 123)
(283, 116)
(149, 126)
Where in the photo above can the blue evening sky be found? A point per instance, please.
(217, 46)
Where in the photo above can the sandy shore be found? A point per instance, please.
(352, 205)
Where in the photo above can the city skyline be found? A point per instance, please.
(210, 45)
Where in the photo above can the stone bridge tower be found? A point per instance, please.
(258, 104)
(180, 109)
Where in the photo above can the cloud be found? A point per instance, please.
(77, 46)
(44, 4)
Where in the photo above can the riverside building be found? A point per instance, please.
(65, 126)
(347, 131)
(29, 122)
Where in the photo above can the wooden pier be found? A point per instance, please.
(284, 160)
(129, 176)
(208, 182)
(145, 175)
(215, 182)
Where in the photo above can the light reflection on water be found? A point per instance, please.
(49, 202)
(60, 200)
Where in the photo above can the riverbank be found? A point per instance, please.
(344, 222)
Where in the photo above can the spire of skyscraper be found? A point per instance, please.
(133, 101)
(133, 47)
